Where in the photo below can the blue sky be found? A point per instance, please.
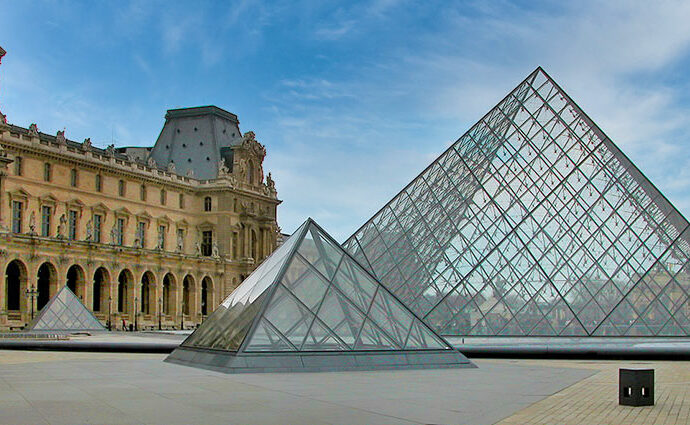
(352, 99)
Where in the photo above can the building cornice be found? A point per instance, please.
(47, 146)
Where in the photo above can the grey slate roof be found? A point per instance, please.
(192, 138)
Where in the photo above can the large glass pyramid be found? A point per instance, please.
(65, 313)
(310, 306)
(533, 223)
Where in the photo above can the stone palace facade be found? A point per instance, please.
(150, 236)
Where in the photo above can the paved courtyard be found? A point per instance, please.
(115, 388)
(101, 388)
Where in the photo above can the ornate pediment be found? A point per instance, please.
(100, 207)
(75, 203)
(123, 211)
(19, 194)
(144, 216)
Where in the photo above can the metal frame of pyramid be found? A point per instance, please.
(65, 313)
(533, 223)
(312, 307)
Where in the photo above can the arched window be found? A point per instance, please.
(47, 277)
(99, 183)
(124, 281)
(100, 289)
(207, 203)
(147, 292)
(15, 279)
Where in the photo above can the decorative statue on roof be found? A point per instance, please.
(86, 144)
(60, 137)
(189, 173)
(33, 130)
(110, 150)
(151, 162)
(223, 169)
(3, 118)
(171, 167)
(269, 181)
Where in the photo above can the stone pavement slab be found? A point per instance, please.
(595, 400)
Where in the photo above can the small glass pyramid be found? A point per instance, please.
(310, 306)
(65, 312)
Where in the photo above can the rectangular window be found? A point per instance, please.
(141, 233)
(120, 229)
(206, 242)
(47, 172)
(99, 183)
(73, 177)
(161, 237)
(17, 216)
(18, 166)
(121, 188)
(181, 201)
(142, 193)
(164, 197)
(45, 223)
(72, 223)
(97, 222)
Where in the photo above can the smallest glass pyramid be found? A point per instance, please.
(312, 307)
(65, 313)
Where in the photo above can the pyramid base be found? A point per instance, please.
(231, 362)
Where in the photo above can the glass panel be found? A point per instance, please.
(288, 316)
(319, 252)
(355, 284)
(226, 327)
(266, 338)
(341, 316)
(391, 316)
(372, 338)
(421, 338)
(321, 339)
(305, 283)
